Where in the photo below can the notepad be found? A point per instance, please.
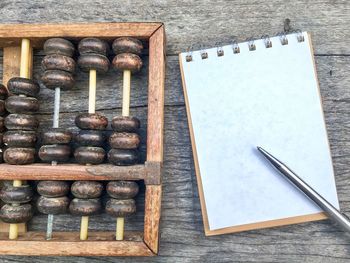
(257, 93)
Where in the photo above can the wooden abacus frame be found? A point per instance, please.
(99, 243)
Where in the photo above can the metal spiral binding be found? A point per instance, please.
(283, 36)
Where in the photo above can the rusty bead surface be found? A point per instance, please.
(53, 188)
(16, 194)
(23, 122)
(20, 104)
(23, 86)
(123, 157)
(122, 189)
(56, 152)
(87, 189)
(53, 206)
(127, 61)
(125, 124)
(3, 92)
(90, 138)
(58, 46)
(25, 139)
(16, 214)
(85, 207)
(93, 45)
(127, 45)
(91, 121)
(89, 155)
(93, 61)
(56, 136)
(58, 78)
(19, 156)
(124, 140)
(58, 62)
(120, 208)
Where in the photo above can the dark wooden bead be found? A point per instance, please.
(3, 92)
(58, 62)
(59, 46)
(93, 45)
(16, 194)
(91, 121)
(23, 86)
(87, 189)
(2, 124)
(21, 122)
(53, 188)
(58, 79)
(1, 139)
(123, 156)
(21, 104)
(16, 214)
(125, 124)
(90, 138)
(93, 61)
(124, 140)
(56, 136)
(120, 208)
(19, 156)
(56, 152)
(89, 155)
(22, 139)
(85, 207)
(122, 189)
(2, 108)
(127, 45)
(127, 61)
(53, 206)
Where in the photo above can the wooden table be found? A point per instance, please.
(208, 22)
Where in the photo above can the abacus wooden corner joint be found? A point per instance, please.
(87, 175)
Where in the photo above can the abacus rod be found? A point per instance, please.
(126, 93)
(92, 90)
(56, 109)
(49, 227)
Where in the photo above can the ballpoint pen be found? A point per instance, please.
(333, 213)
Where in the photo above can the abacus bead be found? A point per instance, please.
(58, 62)
(125, 124)
(123, 157)
(19, 156)
(2, 108)
(3, 92)
(53, 188)
(124, 140)
(93, 61)
(58, 78)
(16, 194)
(58, 46)
(89, 155)
(91, 121)
(2, 124)
(122, 189)
(127, 45)
(21, 122)
(85, 207)
(56, 136)
(20, 104)
(16, 214)
(90, 138)
(23, 86)
(53, 206)
(20, 138)
(120, 208)
(127, 61)
(87, 189)
(56, 152)
(1, 139)
(93, 45)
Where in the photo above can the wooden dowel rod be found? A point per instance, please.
(126, 92)
(119, 235)
(92, 90)
(84, 227)
(25, 57)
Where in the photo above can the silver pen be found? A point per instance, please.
(333, 213)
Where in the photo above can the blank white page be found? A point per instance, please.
(269, 98)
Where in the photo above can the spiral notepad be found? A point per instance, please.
(261, 92)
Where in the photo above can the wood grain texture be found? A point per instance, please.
(191, 22)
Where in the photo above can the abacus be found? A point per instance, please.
(82, 172)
